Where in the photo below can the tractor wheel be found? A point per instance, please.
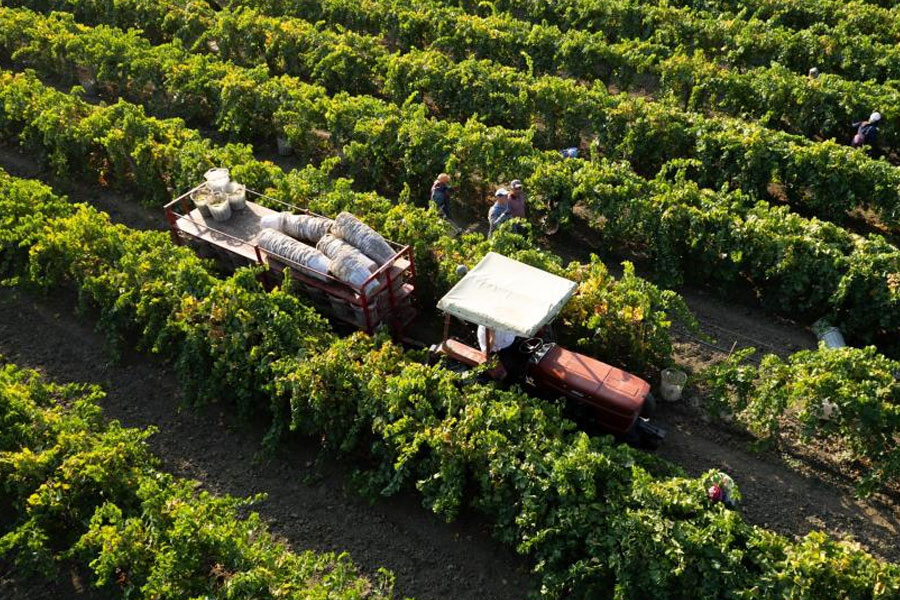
(649, 408)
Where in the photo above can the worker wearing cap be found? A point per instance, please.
(440, 194)
(516, 203)
(499, 212)
(867, 131)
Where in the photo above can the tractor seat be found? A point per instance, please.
(463, 353)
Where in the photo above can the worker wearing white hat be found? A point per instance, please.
(867, 131)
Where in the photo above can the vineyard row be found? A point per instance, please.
(826, 179)
(588, 513)
(736, 42)
(796, 265)
(631, 328)
(76, 489)
(784, 98)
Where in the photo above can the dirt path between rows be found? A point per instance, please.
(792, 493)
(310, 505)
(794, 490)
(68, 583)
(121, 209)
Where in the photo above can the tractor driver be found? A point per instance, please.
(504, 344)
(500, 339)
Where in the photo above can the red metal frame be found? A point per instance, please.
(332, 287)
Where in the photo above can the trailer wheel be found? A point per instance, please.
(649, 408)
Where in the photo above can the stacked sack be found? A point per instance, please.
(347, 263)
(349, 249)
(280, 244)
(355, 232)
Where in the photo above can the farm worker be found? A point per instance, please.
(722, 489)
(440, 194)
(516, 199)
(867, 131)
(502, 342)
(500, 339)
(569, 152)
(499, 212)
(813, 73)
(516, 203)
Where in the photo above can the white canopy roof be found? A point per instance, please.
(503, 293)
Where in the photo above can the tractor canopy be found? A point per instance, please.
(502, 293)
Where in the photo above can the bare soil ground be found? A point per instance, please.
(121, 209)
(792, 489)
(310, 505)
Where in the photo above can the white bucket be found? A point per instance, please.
(237, 195)
(671, 384)
(833, 338)
(201, 197)
(830, 410)
(220, 208)
(217, 179)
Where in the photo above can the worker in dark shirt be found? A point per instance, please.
(516, 199)
(867, 131)
(440, 194)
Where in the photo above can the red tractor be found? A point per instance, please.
(514, 301)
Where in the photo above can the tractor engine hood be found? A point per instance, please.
(616, 395)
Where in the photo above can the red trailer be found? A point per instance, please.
(233, 244)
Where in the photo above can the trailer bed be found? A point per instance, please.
(233, 243)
